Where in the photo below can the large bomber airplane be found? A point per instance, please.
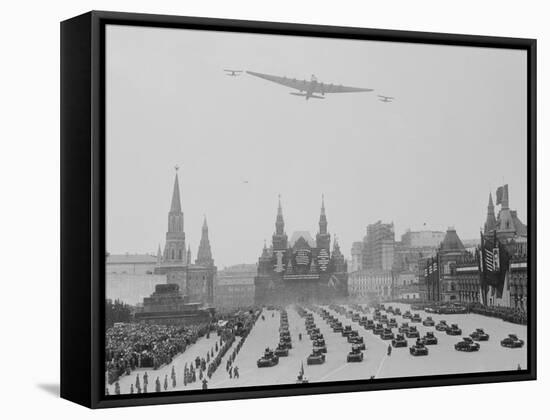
(308, 89)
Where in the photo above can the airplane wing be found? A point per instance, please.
(304, 85)
(332, 88)
(285, 81)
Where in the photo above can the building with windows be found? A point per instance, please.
(130, 277)
(130, 263)
(504, 277)
(495, 273)
(442, 280)
(414, 247)
(370, 285)
(195, 280)
(378, 247)
(356, 257)
(302, 269)
(234, 286)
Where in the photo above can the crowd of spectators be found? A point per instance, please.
(515, 315)
(132, 345)
(139, 345)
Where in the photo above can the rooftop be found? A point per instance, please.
(302, 234)
(131, 259)
(451, 242)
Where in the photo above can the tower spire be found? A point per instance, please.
(175, 207)
(323, 218)
(159, 256)
(323, 238)
(174, 249)
(279, 237)
(204, 255)
(280, 222)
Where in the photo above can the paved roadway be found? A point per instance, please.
(442, 358)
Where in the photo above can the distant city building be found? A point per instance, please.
(504, 251)
(422, 239)
(130, 264)
(405, 278)
(300, 270)
(370, 285)
(415, 246)
(378, 247)
(131, 288)
(518, 281)
(356, 257)
(495, 273)
(471, 244)
(507, 225)
(443, 279)
(234, 286)
(196, 281)
(129, 277)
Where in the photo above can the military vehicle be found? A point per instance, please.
(404, 328)
(399, 341)
(429, 339)
(346, 331)
(355, 355)
(467, 344)
(387, 334)
(281, 350)
(412, 332)
(268, 359)
(418, 349)
(512, 341)
(428, 322)
(358, 341)
(378, 329)
(392, 323)
(370, 325)
(479, 335)
(316, 358)
(453, 330)
(442, 325)
(416, 318)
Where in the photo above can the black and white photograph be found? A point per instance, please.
(293, 210)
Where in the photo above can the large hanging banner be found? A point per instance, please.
(303, 256)
(323, 259)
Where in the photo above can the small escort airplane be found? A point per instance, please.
(308, 89)
(385, 98)
(233, 73)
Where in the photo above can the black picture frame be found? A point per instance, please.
(83, 199)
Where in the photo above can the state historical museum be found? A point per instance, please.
(302, 269)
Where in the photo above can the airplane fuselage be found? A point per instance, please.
(310, 91)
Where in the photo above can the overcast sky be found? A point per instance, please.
(456, 131)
